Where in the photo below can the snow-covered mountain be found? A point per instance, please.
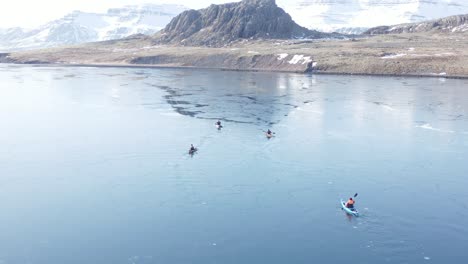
(453, 24)
(347, 15)
(80, 27)
(344, 16)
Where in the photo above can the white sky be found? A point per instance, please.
(31, 13)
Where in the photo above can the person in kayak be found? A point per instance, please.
(350, 204)
(269, 133)
(218, 123)
(192, 149)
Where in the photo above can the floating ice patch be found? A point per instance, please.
(253, 52)
(439, 74)
(394, 56)
(282, 56)
(429, 127)
(384, 106)
(427, 258)
(387, 107)
(411, 49)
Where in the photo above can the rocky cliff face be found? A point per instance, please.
(4, 58)
(450, 24)
(219, 25)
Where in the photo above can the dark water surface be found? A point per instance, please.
(94, 167)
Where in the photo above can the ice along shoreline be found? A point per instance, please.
(149, 66)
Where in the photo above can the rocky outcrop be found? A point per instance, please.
(448, 24)
(219, 25)
(4, 58)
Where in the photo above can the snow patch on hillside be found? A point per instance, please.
(300, 59)
(282, 56)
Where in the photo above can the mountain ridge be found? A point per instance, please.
(451, 24)
(337, 15)
(219, 25)
(79, 27)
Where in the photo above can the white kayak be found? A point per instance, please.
(348, 210)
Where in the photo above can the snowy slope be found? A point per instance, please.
(344, 16)
(333, 15)
(453, 24)
(80, 27)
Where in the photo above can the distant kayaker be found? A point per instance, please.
(192, 149)
(350, 203)
(218, 123)
(269, 134)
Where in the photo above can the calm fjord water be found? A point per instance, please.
(94, 167)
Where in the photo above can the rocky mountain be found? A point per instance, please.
(334, 15)
(452, 24)
(80, 27)
(218, 25)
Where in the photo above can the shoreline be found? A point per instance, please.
(150, 66)
(404, 55)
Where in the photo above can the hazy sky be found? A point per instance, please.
(30, 13)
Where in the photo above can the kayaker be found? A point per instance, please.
(350, 203)
(269, 132)
(218, 123)
(192, 148)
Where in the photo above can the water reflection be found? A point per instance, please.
(253, 98)
(262, 98)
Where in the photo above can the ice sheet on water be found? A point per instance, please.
(429, 127)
